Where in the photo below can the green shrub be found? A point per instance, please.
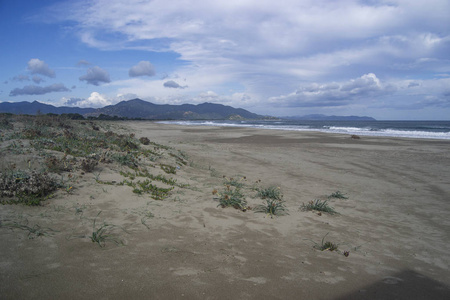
(26, 188)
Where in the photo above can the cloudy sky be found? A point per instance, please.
(386, 59)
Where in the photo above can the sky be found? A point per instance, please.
(386, 59)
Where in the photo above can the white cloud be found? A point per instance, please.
(363, 88)
(94, 100)
(143, 68)
(96, 76)
(37, 66)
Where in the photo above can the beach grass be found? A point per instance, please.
(338, 195)
(318, 205)
(273, 207)
(271, 192)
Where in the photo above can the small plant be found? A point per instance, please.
(33, 232)
(318, 205)
(338, 195)
(270, 193)
(146, 216)
(325, 245)
(125, 160)
(168, 169)
(58, 166)
(144, 141)
(273, 207)
(88, 164)
(231, 197)
(102, 234)
(235, 182)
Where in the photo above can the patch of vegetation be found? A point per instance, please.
(128, 160)
(325, 245)
(33, 231)
(338, 195)
(141, 187)
(273, 207)
(270, 193)
(26, 188)
(102, 233)
(88, 164)
(168, 169)
(59, 165)
(146, 174)
(231, 197)
(318, 205)
(236, 182)
(144, 141)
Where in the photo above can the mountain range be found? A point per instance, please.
(140, 109)
(137, 109)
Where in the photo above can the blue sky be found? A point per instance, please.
(385, 59)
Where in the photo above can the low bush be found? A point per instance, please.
(26, 188)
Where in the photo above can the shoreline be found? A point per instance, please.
(347, 127)
(394, 224)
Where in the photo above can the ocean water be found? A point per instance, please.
(408, 129)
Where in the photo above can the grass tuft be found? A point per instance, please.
(271, 192)
(338, 195)
(325, 245)
(102, 234)
(273, 207)
(318, 205)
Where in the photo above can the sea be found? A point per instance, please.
(405, 129)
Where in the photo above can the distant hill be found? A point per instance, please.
(319, 117)
(32, 108)
(138, 108)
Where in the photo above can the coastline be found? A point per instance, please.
(395, 224)
(397, 129)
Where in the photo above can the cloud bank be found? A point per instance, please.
(38, 90)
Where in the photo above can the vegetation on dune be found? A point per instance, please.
(68, 144)
(318, 205)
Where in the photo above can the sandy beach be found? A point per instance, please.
(394, 225)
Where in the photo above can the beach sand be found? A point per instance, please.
(395, 224)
